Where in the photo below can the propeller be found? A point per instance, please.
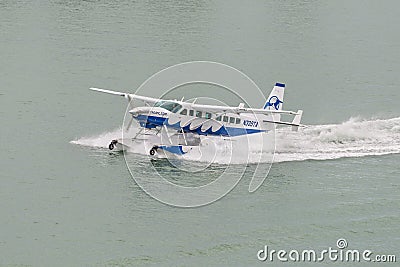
(128, 97)
(129, 123)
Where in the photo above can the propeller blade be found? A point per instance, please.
(130, 102)
(129, 124)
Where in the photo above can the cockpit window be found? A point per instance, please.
(176, 108)
(170, 106)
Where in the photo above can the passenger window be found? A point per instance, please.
(208, 115)
(237, 121)
(184, 112)
(225, 118)
(231, 120)
(191, 112)
(218, 118)
(199, 114)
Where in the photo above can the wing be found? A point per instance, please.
(209, 108)
(148, 100)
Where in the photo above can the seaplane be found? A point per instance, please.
(189, 124)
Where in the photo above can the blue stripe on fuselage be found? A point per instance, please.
(154, 121)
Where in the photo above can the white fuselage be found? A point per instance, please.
(183, 118)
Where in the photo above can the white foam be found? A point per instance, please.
(100, 140)
(354, 138)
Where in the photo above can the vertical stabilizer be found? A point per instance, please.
(275, 99)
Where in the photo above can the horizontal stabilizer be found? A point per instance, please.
(295, 123)
(296, 120)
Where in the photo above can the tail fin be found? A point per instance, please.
(275, 99)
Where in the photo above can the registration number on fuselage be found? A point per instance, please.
(250, 123)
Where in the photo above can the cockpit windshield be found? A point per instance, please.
(170, 106)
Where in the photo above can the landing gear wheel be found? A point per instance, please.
(153, 150)
(111, 146)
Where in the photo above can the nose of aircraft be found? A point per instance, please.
(134, 112)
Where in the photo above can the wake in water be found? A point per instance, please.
(353, 138)
(101, 140)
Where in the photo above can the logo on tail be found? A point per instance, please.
(273, 101)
